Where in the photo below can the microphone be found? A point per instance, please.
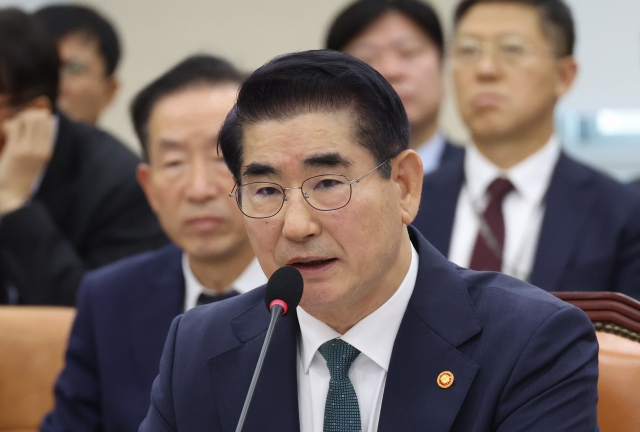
(284, 291)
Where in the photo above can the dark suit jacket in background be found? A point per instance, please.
(590, 234)
(88, 211)
(124, 313)
(451, 155)
(522, 361)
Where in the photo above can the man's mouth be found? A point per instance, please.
(310, 263)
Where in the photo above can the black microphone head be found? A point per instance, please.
(286, 284)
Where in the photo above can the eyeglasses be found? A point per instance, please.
(508, 50)
(74, 68)
(326, 192)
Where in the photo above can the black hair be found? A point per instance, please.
(194, 71)
(555, 17)
(319, 81)
(29, 63)
(359, 15)
(62, 20)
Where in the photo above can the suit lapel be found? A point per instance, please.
(154, 303)
(452, 155)
(567, 206)
(274, 406)
(440, 191)
(439, 318)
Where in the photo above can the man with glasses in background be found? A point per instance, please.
(517, 203)
(89, 51)
(389, 335)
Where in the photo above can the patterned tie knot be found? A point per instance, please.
(499, 188)
(339, 356)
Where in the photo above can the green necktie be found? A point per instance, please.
(341, 411)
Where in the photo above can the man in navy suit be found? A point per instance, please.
(125, 309)
(389, 335)
(555, 223)
(402, 40)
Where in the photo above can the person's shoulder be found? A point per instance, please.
(227, 310)
(508, 302)
(210, 329)
(122, 275)
(100, 149)
(617, 204)
(600, 183)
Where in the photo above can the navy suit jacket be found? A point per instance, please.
(451, 155)
(590, 234)
(124, 314)
(522, 360)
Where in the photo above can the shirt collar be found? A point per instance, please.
(374, 335)
(530, 178)
(431, 152)
(252, 277)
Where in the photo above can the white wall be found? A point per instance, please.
(608, 53)
(157, 34)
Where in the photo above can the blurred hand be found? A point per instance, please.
(27, 150)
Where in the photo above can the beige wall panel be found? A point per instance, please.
(157, 34)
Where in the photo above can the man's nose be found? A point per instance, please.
(487, 66)
(202, 185)
(300, 221)
(390, 67)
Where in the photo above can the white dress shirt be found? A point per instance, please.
(523, 208)
(431, 152)
(252, 277)
(373, 336)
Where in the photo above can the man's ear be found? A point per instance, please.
(143, 174)
(567, 72)
(407, 173)
(112, 85)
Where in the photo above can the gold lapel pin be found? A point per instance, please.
(445, 379)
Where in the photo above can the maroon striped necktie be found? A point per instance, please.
(487, 252)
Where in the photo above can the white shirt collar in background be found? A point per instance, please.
(530, 178)
(431, 152)
(252, 277)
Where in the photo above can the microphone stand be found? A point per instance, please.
(276, 312)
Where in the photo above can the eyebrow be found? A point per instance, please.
(256, 169)
(330, 160)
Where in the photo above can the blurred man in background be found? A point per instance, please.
(69, 200)
(89, 51)
(124, 310)
(403, 41)
(516, 203)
